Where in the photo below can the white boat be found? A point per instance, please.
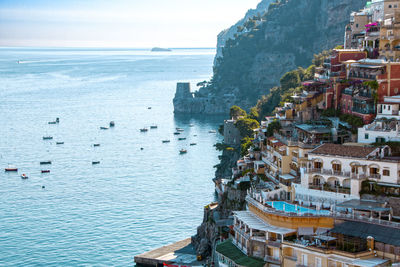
(212, 131)
(191, 125)
(183, 151)
(11, 168)
(103, 128)
(180, 129)
(24, 176)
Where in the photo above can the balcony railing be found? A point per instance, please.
(337, 215)
(272, 259)
(275, 244)
(375, 176)
(292, 258)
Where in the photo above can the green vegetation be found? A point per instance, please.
(319, 58)
(246, 126)
(236, 112)
(246, 143)
(272, 127)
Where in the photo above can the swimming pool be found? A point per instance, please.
(287, 207)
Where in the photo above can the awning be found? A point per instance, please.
(366, 205)
(321, 231)
(254, 222)
(325, 238)
(286, 177)
(305, 231)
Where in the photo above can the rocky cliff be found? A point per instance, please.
(229, 33)
(285, 37)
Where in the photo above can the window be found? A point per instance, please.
(389, 107)
(386, 172)
(318, 262)
(395, 6)
(396, 90)
(304, 259)
(357, 25)
(366, 136)
(390, 6)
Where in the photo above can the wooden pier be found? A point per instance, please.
(179, 253)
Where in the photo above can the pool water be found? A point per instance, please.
(287, 207)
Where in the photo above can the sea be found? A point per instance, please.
(143, 194)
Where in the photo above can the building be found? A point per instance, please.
(337, 173)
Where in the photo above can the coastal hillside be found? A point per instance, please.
(229, 33)
(286, 36)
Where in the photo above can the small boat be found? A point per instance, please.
(11, 168)
(96, 144)
(47, 137)
(45, 162)
(103, 128)
(180, 129)
(148, 107)
(182, 151)
(45, 171)
(52, 122)
(112, 123)
(59, 143)
(144, 130)
(166, 141)
(95, 162)
(191, 125)
(193, 144)
(153, 127)
(195, 135)
(177, 133)
(212, 131)
(58, 120)
(24, 176)
(182, 138)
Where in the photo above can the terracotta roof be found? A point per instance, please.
(344, 151)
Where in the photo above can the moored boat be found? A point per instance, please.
(52, 122)
(144, 130)
(182, 151)
(45, 162)
(59, 143)
(103, 128)
(112, 123)
(47, 137)
(95, 162)
(177, 133)
(96, 144)
(24, 176)
(212, 131)
(153, 126)
(45, 171)
(180, 129)
(182, 138)
(11, 168)
(193, 144)
(166, 141)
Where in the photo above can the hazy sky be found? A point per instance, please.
(117, 23)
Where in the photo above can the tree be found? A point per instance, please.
(272, 127)
(253, 114)
(290, 80)
(246, 126)
(246, 143)
(236, 112)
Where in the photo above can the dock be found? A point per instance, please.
(178, 253)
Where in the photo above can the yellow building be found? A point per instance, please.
(389, 46)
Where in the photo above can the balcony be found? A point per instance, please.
(272, 259)
(365, 111)
(275, 244)
(374, 176)
(292, 258)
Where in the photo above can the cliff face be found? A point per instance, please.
(287, 36)
(229, 33)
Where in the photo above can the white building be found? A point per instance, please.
(386, 126)
(335, 173)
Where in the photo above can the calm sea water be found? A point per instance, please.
(134, 200)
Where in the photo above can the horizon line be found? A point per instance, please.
(104, 47)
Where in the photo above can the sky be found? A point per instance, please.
(117, 23)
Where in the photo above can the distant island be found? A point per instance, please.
(160, 49)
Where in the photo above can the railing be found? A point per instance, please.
(272, 259)
(336, 215)
(292, 258)
(269, 161)
(294, 159)
(275, 244)
(241, 232)
(357, 176)
(375, 176)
